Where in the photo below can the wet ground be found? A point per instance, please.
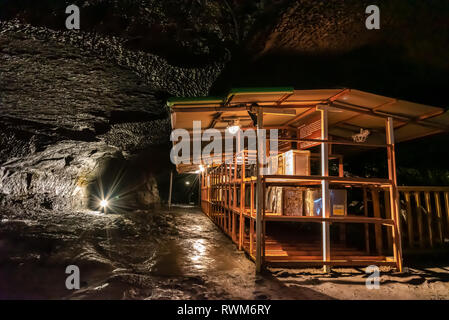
(177, 254)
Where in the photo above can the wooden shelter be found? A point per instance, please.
(299, 213)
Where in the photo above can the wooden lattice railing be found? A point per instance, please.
(425, 216)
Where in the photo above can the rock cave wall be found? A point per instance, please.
(72, 104)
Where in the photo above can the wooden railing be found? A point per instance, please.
(425, 216)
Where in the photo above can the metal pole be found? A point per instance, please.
(199, 188)
(325, 196)
(259, 192)
(170, 190)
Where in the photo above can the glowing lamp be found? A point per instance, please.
(234, 127)
(104, 203)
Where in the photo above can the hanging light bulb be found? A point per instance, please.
(234, 127)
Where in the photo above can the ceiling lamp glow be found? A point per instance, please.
(104, 203)
(234, 127)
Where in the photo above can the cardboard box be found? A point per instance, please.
(297, 163)
(292, 162)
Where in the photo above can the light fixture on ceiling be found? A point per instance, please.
(234, 126)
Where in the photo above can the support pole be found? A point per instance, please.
(259, 199)
(170, 189)
(200, 174)
(394, 194)
(325, 195)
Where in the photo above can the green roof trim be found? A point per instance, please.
(193, 100)
(261, 90)
(235, 91)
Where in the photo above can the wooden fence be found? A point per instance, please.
(425, 216)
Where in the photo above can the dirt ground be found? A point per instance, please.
(350, 283)
(176, 254)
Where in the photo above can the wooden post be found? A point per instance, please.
(419, 219)
(242, 202)
(170, 189)
(388, 215)
(365, 212)
(429, 217)
(341, 171)
(377, 227)
(446, 202)
(411, 236)
(439, 216)
(259, 200)
(325, 195)
(341, 174)
(394, 194)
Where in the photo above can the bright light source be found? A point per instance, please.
(201, 168)
(187, 182)
(234, 127)
(104, 203)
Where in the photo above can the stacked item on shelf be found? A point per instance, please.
(313, 204)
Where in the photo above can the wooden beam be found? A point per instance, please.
(377, 228)
(340, 94)
(446, 202)
(279, 111)
(285, 97)
(439, 216)
(388, 215)
(215, 119)
(429, 217)
(394, 194)
(365, 213)
(410, 236)
(259, 192)
(419, 218)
